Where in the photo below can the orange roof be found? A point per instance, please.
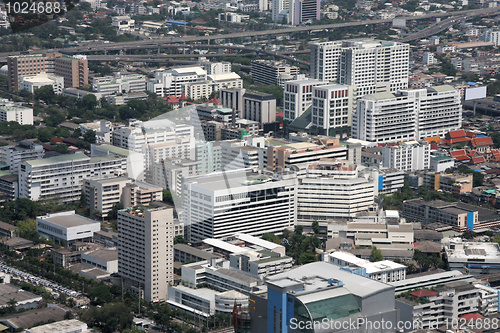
(481, 142)
(459, 155)
(472, 316)
(456, 134)
(472, 152)
(470, 134)
(436, 139)
(478, 159)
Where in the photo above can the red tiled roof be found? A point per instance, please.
(456, 134)
(480, 142)
(434, 146)
(456, 153)
(472, 316)
(433, 138)
(423, 293)
(472, 152)
(470, 134)
(478, 159)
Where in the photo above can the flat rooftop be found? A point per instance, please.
(104, 254)
(8, 292)
(60, 326)
(31, 317)
(68, 221)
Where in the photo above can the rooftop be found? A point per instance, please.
(60, 326)
(59, 159)
(104, 254)
(8, 292)
(29, 318)
(67, 220)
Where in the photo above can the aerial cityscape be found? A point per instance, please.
(250, 166)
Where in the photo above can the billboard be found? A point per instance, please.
(474, 93)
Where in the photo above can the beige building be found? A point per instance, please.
(74, 69)
(146, 251)
(105, 192)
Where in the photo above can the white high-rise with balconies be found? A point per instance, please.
(332, 106)
(371, 65)
(407, 115)
(333, 190)
(298, 97)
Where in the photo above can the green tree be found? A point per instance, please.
(45, 93)
(167, 197)
(179, 239)
(315, 227)
(376, 254)
(100, 294)
(89, 102)
(89, 136)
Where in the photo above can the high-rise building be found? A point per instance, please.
(61, 177)
(13, 156)
(407, 115)
(146, 251)
(332, 107)
(172, 82)
(371, 65)
(278, 6)
(332, 190)
(407, 156)
(297, 97)
(302, 11)
(259, 107)
(239, 201)
(74, 69)
(272, 72)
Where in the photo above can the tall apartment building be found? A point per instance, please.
(272, 72)
(371, 65)
(297, 97)
(10, 111)
(259, 107)
(74, 69)
(333, 190)
(302, 11)
(13, 156)
(146, 251)
(407, 156)
(332, 107)
(61, 177)
(277, 6)
(407, 115)
(239, 201)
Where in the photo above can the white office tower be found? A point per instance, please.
(239, 201)
(408, 115)
(279, 6)
(208, 155)
(297, 97)
(407, 156)
(146, 251)
(61, 177)
(240, 154)
(172, 82)
(439, 110)
(332, 190)
(371, 65)
(332, 106)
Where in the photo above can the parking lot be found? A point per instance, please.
(26, 277)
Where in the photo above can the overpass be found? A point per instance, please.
(161, 42)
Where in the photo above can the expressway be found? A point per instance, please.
(157, 43)
(434, 29)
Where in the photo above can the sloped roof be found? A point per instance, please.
(472, 316)
(481, 142)
(478, 159)
(423, 293)
(456, 134)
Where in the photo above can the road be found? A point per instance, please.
(156, 43)
(434, 29)
(35, 280)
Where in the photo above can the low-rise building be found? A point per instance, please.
(105, 259)
(9, 111)
(261, 263)
(458, 215)
(472, 257)
(66, 227)
(384, 271)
